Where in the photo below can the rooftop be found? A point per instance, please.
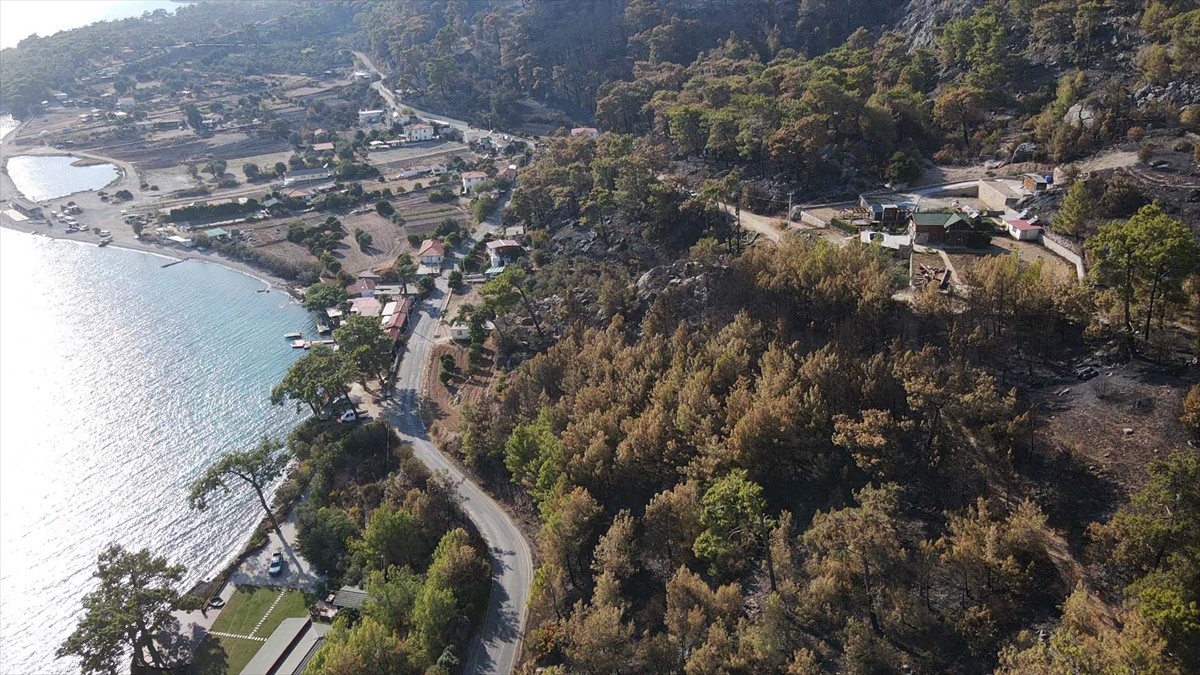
(289, 649)
(323, 147)
(350, 597)
(307, 173)
(469, 175)
(433, 247)
(1021, 224)
(362, 284)
(946, 219)
(502, 243)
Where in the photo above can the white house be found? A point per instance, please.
(432, 253)
(501, 251)
(1022, 230)
(126, 102)
(472, 178)
(460, 332)
(420, 132)
(591, 132)
(369, 116)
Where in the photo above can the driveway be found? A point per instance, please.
(298, 573)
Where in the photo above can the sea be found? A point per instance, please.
(120, 382)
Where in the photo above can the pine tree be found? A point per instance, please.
(1072, 213)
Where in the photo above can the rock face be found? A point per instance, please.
(1177, 91)
(920, 17)
(687, 286)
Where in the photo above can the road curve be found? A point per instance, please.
(497, 645)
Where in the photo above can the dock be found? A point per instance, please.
(174, 262)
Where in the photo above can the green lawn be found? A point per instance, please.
(239, 617)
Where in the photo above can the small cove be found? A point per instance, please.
(40, 178)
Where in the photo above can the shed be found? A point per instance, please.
(997, 194)
(1022, 230)
(216, 233)
(350, 597)
(1034, 182)
(289, 649)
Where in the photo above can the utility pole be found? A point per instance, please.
(789, 211)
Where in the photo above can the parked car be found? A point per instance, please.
(1086, 374)
(348, 417)
(276, 567)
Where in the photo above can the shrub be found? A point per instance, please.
(1191, 411)
(414, 240)
(1135, 134)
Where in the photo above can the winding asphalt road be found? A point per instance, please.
(497, 645)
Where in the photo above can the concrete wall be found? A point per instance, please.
(1066, 254)
(808, 218)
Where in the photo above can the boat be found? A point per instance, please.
(299, 344)
(322, 328)
(292, 336)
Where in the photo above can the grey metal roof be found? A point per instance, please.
(350, 597)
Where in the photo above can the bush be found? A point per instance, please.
(414, 241)
(384, 208)
(1135, 134)
(1191, 411)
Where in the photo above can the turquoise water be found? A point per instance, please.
(42, 178)
(121, 382)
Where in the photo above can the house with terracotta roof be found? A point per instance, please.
(362, 288)
(432, 252)
(396, 323)
(471, 179)
(419, 132)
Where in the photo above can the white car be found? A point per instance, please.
(276, 566)
(348, 416)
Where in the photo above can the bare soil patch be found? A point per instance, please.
(1092, 418)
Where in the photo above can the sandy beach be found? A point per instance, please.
(107, 215)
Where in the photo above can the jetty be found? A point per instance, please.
(174, 262)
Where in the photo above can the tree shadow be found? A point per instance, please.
(210, 658)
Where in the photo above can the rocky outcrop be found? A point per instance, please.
(920, 17)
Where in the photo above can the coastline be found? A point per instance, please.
(107, 215)
(168, 253)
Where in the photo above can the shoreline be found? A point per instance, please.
(269, 280)
(109, 215)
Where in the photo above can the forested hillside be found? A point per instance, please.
(804, 475)
(215, 40)
(818, 94)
